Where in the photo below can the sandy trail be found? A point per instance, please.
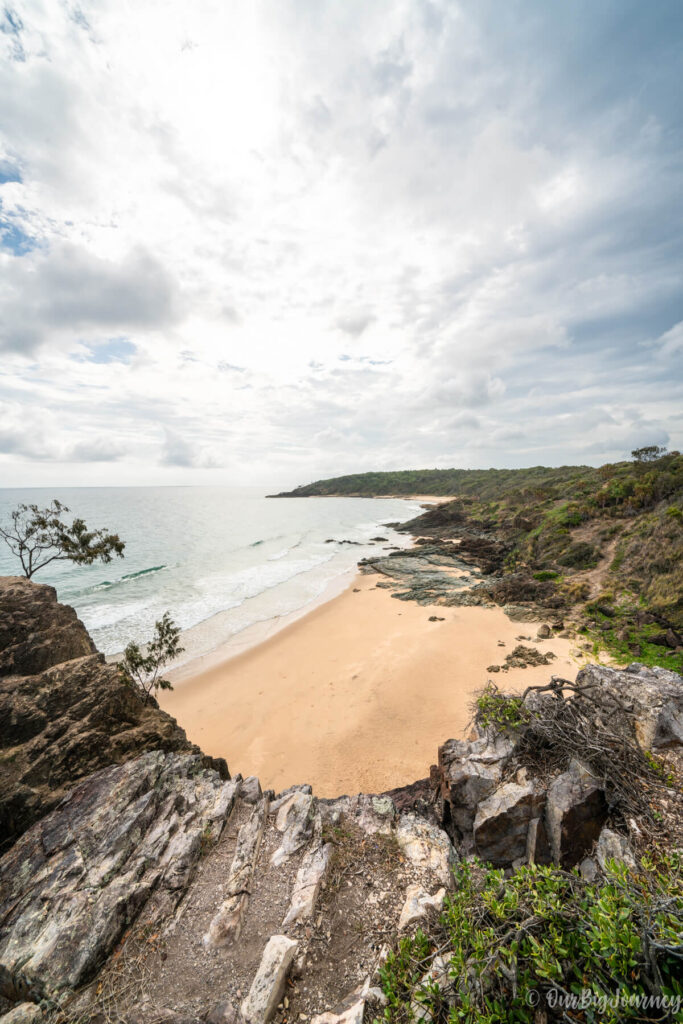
(355, 696)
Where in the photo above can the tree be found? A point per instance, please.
(142, 670)
(649, 453)
(37, 536)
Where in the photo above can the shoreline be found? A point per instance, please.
(354, 695)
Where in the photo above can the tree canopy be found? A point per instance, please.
(38, 536)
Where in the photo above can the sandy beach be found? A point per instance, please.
(356, 695)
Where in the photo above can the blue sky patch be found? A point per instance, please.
(115, 350)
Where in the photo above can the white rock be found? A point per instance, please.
(23, 1013)
(295, 819)
(612, 846)
(226, 925)
(427, 846)
(309, 878)
(417, 904)
(352, 1015)
(268, 985)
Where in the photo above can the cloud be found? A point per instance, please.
(305, 238)
(69, 290)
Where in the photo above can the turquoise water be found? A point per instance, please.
(217, 558)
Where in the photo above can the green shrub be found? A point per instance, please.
(512, 943)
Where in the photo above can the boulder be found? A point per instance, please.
(502, 822)
(654, 696)
(427, 846)
(469, 772)
(575, 813)
(268, 985)
(127, 831)
(295, 819)
(418, 904)
(612, 846)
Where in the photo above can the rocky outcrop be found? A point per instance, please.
(73, 883)
(35, 631)
(653, 696)
(64, 713)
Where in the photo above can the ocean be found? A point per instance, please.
(218, 559)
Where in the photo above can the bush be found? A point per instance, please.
(580, 556)
(515, 944)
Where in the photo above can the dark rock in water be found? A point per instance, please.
(379, 539)
(127, 831)
(68, 719)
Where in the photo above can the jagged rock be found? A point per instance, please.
(72, 717)
(268, 985)
(127, 831)
(309, 878)
(575, 813)
(23, 1013)
(282, 798)
(251, 793)
(427, 846)
(226, 925)
(35, 631)
(502, 821)
(417, 905)
(654, 695)
(469, 772)
(612, 846)
(295, 819)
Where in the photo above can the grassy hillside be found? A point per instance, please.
(482, 483)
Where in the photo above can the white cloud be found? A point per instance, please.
(330, 237)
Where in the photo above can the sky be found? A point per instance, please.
(267, 241)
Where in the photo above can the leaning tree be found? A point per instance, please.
(38, 536)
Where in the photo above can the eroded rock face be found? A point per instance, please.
(502, 823)
(72, 883)
(654, 695)
(35, 631)
(576, 810)
(69, 718)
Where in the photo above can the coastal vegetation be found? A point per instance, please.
(604, 545)
(39, 536)
(141, 667)
(605, 951)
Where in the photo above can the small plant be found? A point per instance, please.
(546, 574)
(141, 670)
(37, 536)
(492, 707)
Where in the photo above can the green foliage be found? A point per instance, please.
(38, 536)
(499, 709)
(513, 942)
(141, 669)
(674, 512)
(546, 574)
(649, 453)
